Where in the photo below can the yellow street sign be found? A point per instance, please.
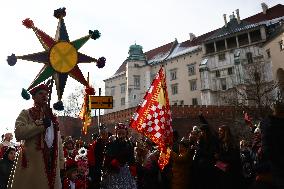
(100, 102)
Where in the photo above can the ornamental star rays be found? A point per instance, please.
(60, 56)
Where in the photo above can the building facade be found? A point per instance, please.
(274, 51)
(200, 69)
(233, 52)
(180, 60)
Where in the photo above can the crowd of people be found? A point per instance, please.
(202, 159)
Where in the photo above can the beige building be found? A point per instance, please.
(233, 51)
(199, 69)
(274, 50)
(180, 60)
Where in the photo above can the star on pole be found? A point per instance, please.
(60, 57)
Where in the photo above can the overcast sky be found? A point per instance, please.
(149, 23)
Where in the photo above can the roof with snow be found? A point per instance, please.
(161, 53)
(175, 49)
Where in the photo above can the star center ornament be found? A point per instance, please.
(60, 58)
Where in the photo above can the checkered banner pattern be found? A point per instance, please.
(153, 117)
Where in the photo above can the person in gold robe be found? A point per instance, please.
(41, 157)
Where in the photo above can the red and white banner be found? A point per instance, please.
(153, 117)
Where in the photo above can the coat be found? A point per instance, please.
(5, 169)
(30, 169)
(181, 170)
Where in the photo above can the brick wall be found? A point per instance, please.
(184, 118)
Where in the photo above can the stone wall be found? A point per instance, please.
(184, 118)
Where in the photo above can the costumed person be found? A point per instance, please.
(69, 148)
(41, 157)
(6, 164)
(71, 180)
(83, 169)
(119, 162)
(7, 142)
(96, 154)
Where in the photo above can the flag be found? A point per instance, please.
(85, 113)
(153, 117)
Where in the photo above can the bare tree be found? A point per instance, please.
(257, 89)
(73, 103)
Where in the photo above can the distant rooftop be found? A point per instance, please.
(174, 49)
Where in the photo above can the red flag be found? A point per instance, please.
(153, 117)
(85, 113)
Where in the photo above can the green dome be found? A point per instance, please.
(136, 53)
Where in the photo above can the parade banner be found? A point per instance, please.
(153, 117)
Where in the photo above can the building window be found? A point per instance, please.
(181, 102)
(268, 53)
(191, 69)
(134, 97)
(217, 73)
(223, 84)
(255, 36)
(112, 91)
(221, 57)
(249, 57)
(174, 89)
(194, 101)
(209, 48)
(173, 74)
(122, 88)
(281, 45)
(220, 45)
(193, 85)
(136, 65)
(122, 101)
(231, 42)
(243, 39)
(230, 71)
(136, 81)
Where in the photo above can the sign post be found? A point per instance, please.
(100, 102)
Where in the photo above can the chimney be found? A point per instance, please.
(225, 20)
(191, 36)
(264, 8)
(232, 16)
(238, 16)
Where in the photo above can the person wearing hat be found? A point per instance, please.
(41, 157)
(119, 162)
